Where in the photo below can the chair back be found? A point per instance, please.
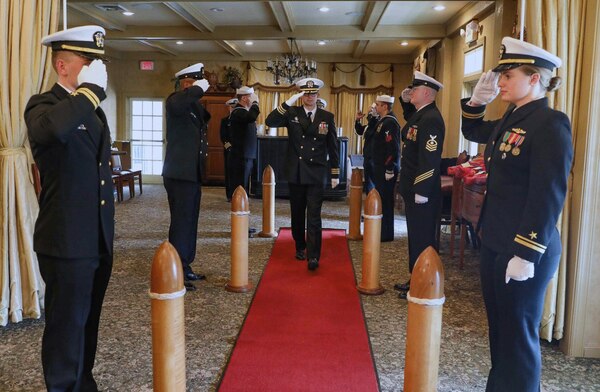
(472, 201)
(115, 161)
(462, 157)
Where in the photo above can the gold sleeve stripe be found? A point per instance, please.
(424, 176)
(335, 171)
(90, 95)
(530, 246)
(519, 236)
(281, 110)
(473, 115)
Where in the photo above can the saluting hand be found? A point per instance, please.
(94, 73)
(486, 89)
(405, 95)
(253, 98)
(203, 84)
(294, 98)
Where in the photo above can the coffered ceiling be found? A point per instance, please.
(340, 31)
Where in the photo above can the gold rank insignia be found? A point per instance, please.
(533, 235)
(519, 131)
(431, 144)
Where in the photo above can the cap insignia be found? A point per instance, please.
(310, 84)
(99, 39)
(502, 51)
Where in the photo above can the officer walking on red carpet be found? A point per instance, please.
(182, 170)
(74, 231)
(528, 156)
(225, 136)
(312, 146)
(420, 184)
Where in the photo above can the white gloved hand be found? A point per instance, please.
(389, 176)
(94, 73)
(203, 84)
(519, 269)
(373, 109)
(294, 98)
(420, 199)
(405, 94)
(486, 89)
(253, 98)
(334, 182)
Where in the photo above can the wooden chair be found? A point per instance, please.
(448, 212)
(472, 201)
(121, 177)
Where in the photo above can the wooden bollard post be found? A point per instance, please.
(240, 212)
(356, 188)
(268, 218)
(424, 324)
(168, 320)
(369, 283)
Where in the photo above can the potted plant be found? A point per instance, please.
(232, 77)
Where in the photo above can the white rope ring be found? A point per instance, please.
(372, 216)
(268, 183)
(165, 296)
(240, 213)
(355, 187)
(426, 301)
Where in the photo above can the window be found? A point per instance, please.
(473, 67)
(473, 61)
(147, 135)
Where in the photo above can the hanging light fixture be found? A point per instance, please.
(292, 66)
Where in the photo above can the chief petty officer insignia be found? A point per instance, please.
(431, 144)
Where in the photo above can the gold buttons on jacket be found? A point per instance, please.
(313, 149)
(102, 182)
(300, 157)
(301, 147)
(99, 163)
(102, 202)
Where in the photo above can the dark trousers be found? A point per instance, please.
(228, 191)
(184, 205)
(421, 225)
(386, 192)
(514, 312)
(305, 203)
(368, 174)
(239, 172)
(75, 291)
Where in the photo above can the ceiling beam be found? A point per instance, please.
(97, 17)
(385, 32)
(283, 15)
(359, 49)
(187, 11)
(159, 47)
(231, 48)
(375, 10)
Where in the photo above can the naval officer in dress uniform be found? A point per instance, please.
(312, 144)
(243, 137)
(225, 136)
(367, 131)
(184, 159)
(528, 156)
(420, 187)
(385, 161)
(73, 236)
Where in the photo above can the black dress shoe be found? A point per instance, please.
(403, 294)
(300, 254)
(189, 286)
(313, 264)
(192, 276)
(402, 286)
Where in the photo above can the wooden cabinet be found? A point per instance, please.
(214, 166)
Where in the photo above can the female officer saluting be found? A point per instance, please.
(528, 156)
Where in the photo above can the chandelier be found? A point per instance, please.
(291, 66)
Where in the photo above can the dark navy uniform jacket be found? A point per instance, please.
(385, 146)
(422, 143)
(367, 132)
(243, 131)
(70, 141)
(309, 145)
(224, 133)
(527, 182)
(186, 135)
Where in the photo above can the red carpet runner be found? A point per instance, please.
(304, 330)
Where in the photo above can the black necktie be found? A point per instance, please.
(309, 115)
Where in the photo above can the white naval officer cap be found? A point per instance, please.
(195, 71)
(86, 41)
(244, 90)
(232, 102)
(385, 98)
(514, 53)
(309, 85)
(420, 79)
(321, 102)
